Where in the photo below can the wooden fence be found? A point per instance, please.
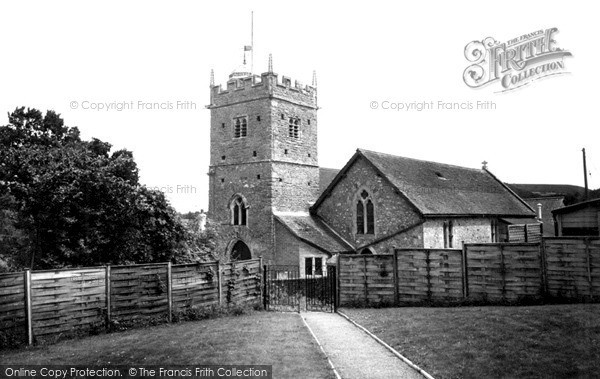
(564, 267)
(572, 267)
(49, 303)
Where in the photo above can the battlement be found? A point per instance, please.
(259, 86)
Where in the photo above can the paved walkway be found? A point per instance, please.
(354, 353)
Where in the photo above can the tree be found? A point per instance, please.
(73, 203)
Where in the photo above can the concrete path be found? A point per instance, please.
(353, 352)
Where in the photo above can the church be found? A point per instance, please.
(268, 196)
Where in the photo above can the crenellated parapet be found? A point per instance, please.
(255, 87)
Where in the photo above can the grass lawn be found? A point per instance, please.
(553, 341)
(278, 339)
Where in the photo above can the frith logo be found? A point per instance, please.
(515, 63)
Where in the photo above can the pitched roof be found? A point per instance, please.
(313, 231)
(438, 189)
(326, 175)
(574, 207)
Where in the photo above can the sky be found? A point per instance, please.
(75, 57)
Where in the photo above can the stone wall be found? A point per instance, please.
(412, 238)
(469, 230)
(392, 212)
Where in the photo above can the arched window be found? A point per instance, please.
(240, 252)
(365, 214)
(367, 251)
(239, 211)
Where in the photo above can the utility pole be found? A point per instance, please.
(585, 176)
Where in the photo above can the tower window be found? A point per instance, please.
(254, 153)
(240, 128)
(258, 176)
(309, 155)
(365, 214)
(308, 121)
(239, 211)
(294, 127)
(285, 151)
(258, 118)
(223, 157)
(222, 180)
(222, 124)
(282, 116)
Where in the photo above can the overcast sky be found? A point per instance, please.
(64, 55)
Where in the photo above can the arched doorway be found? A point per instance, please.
(240, 252)
(367, 251)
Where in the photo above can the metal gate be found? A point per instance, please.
(287, 290)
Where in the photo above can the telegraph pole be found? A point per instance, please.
(585, 175)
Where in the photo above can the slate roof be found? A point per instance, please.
(438, 189)
(326, 176)
(313, 231)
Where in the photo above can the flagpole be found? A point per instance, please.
(252, 42)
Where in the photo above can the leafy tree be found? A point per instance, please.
(69, 202)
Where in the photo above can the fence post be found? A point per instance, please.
(338, 280)
(395, 266)
(262, 280)
(586, 241)
(28, 311)
(169, 291)
(465, 275)
(219, 280)
(544, 267)
(265, 286)
(428, 272)
(366, 278)
(108, 294)
(503, 270)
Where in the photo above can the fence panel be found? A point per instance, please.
(352, 280)
(445, 275)
(379, 279)
(194, 285)
(241, 282)
(413, 281)
(64, 301)
(485, 272)
(523, 271)
(139, 292)
(572, 264)
(13, 318)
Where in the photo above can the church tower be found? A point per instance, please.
(263, 158)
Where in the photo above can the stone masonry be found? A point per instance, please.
(270, 169)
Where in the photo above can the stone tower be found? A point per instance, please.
(263, 159)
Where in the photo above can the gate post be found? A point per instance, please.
(337, 281)
(265, 285)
